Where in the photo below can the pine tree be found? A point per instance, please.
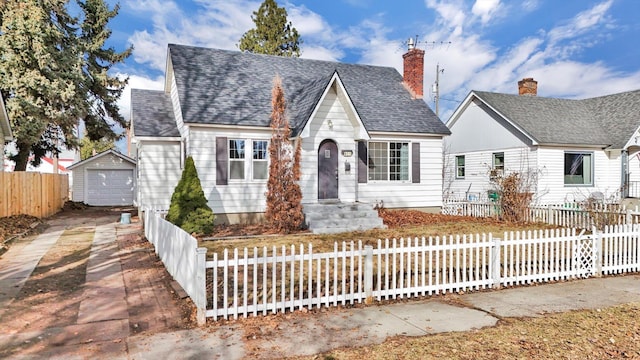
(189, 209)
(284, 197)
(273, 35)
(54, 71)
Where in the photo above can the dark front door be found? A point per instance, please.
(328, 170)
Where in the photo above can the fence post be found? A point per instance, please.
(368, 274)
(597, 251)
(549, 214)
(495, 262)
(201, 286)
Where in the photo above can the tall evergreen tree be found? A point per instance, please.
(54, 71)
(284, 197)
(273, 34)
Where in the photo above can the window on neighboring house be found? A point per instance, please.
(236, 159)
(460, 167)
(498, 165)
(389, 161)
(578, 168)
(260, 162)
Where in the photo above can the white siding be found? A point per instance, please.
(342, 133)
(478, 164)
(394, 194)
(479, 129)
(158, 172)
(551, 186)
(238, 196)
(107, 161)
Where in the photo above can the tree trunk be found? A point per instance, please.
(22, 158)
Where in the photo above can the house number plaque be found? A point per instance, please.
(347, 153)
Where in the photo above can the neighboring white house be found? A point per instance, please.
(105, 179)
(569, 149)
(5, 129)
(367, 135)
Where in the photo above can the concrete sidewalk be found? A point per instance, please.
(103, 319)
(316, 333)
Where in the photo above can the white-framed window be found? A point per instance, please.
(236, 159)
(260, 165)
(578, 168)
(497, 165)
(388, 161)
(460, 167)
(248, 167)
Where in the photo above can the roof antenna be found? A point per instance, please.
(411, 43)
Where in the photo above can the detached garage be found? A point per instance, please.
(106, 179)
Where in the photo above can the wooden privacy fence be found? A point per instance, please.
(278, 279)
(32, 193)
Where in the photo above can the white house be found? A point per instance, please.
(367, 135)
(568, 149)
(5, 129)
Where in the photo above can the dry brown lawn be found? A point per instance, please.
(400, 223)
(610, 333)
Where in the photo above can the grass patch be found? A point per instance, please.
(610, 333)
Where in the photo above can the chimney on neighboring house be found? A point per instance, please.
(414, 70)
(528, 87)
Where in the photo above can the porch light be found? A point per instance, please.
(330, 124)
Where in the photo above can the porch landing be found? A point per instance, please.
(336, 217)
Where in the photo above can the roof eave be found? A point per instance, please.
(97, 156)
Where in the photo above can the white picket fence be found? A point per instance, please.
(279, 279)
(179, 253)
(564, 215)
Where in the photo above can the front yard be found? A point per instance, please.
(400, 223)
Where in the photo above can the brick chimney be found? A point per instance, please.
(414, 71)
(528, 87)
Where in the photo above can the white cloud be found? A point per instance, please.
(452, 14)
(581, 23)
(485, 9)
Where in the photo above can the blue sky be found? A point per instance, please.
(573, 48)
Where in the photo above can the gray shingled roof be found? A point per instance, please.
(607, 121)
(152, 114)
(234, 88)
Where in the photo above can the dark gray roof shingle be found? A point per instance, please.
(234, 88)
(152, 114)
(607, 121)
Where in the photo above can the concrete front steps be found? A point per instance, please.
(337, 217)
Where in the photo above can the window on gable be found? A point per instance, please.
(260, 163)
(389, 161)
(460, 167)
(578, 168)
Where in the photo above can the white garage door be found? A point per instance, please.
(109, 187)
